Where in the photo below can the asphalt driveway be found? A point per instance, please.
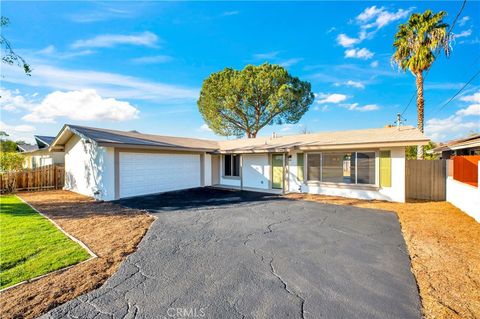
(230, 254)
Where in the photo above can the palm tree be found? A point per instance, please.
(418, 43)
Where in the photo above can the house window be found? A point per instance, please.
(231, 165)
(313, 167)
(337, 168)
(365, 167)
(342, 167)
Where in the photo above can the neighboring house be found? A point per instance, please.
(110, 164)
(464, 146)
(38, 155)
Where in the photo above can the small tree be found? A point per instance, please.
(8, 146)
(411, 151)
(242, 102)
(11, 161)
(417, 44)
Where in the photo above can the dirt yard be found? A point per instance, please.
(444, 246)
(110, 231)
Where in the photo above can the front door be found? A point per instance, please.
(277, 171)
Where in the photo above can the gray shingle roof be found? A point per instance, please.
(43, 141)
(105, 136)
(27, 147)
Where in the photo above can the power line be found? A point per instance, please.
(458, 92)
(457, 16)
(449, 32)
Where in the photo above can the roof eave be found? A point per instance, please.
(156, 147)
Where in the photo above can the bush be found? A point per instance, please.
(11, 161)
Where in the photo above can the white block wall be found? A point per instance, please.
(89, 169)
(466, 197)
(256, 171)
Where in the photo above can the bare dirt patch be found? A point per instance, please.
(112, 232)
(443, 243)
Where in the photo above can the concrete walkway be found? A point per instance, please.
(222, 254)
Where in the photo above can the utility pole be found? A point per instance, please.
(399, 120)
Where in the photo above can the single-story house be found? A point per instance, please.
(464, 146)
(38, 154)
(111, 164)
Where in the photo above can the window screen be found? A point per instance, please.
(227, 165)
(313, 167)
(236, 165)
(336, 168)
(365, 167)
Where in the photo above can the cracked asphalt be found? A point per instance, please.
(229, 254)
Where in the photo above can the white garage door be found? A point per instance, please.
(148, 173)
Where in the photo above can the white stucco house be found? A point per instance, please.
(38, 154)
(110, 164)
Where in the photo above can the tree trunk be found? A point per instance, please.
(420, 109)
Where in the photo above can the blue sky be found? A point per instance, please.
(134, 65)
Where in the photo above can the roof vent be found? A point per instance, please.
(134, 131)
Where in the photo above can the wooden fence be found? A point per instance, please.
(465, 169)
(426, 179)
(41, 178)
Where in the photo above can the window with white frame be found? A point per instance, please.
(231, 165)
(342, 167)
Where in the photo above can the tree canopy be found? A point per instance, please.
(419, 41)
(242, 102)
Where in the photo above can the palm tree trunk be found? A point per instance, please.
(420, 110)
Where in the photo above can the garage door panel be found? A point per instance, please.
(147, 173)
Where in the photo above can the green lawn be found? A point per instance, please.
(30, 245)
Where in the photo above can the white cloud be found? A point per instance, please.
(105, 11)
(107, 84)
(152, 59)
(83, 105)
(230, 13)
(13, 101)
(452, 126)
(51, 51)
(371, 20)
(363, 53)
(356, 84)
(356, 107)
(346, 41)
(266, 55)
(473, 109)
(330, 98)
(380, 17)
(456, 125)
(290, 62)
(205, 128)
(368, 14)
(374, 64)
(471, 98)
(463, 34)
(18, 132)
(463, 20)
(146, 38)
